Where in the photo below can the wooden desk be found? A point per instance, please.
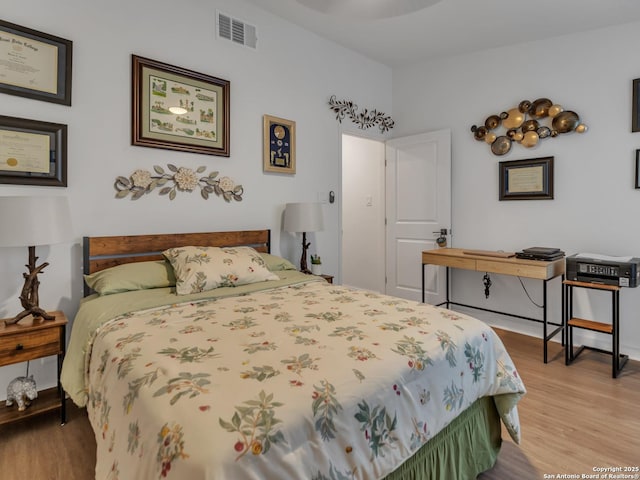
(480, 262)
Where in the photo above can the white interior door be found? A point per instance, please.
(418, 206)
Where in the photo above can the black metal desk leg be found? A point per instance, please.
(568, 313)
(562, 299)
(423, 267)
(615, 315)
(447, 287)
(544, 320)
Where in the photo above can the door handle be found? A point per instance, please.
(441, 241)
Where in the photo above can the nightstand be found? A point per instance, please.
(31, 339)
(328, 278)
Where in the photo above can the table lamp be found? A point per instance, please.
(31, 221)
(303, 217)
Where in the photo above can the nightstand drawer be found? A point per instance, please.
(23, 346)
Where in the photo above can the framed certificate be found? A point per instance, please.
(635, 118)
(35, 64)
(279, 145)
(33, 152)
(527, 179)
(637, 169)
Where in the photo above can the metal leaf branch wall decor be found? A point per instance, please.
(364, 119)
(181, 179)
(524, 124)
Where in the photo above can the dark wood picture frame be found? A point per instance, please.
(530, 179)
(637, 183)
(22, 143)
(635, 116)
(33, 46)
(204, 128)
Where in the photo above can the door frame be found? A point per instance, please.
(384, 140)
(367, 135)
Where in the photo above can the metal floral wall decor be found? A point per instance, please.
(364, 119)
(525, 124)
(181, 179)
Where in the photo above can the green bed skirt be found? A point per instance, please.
(466, 447)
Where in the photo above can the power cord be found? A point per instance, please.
(486, 281)
(525, 291)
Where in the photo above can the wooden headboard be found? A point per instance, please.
(105, 252)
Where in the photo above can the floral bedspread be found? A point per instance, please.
(313, 381)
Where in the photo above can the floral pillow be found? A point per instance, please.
(198, 269)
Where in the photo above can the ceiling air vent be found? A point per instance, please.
(236, 30)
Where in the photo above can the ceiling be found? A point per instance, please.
(379, 30)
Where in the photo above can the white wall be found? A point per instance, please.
(595, 205)
(292, 74)
(363, 210)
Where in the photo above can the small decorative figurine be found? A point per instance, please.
(21, 390)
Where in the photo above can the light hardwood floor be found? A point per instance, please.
(573, 419)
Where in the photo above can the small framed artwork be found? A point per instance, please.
(33, 152)
(179, 109)
(637, 168)
(530, 179)
(35, 64)
(635, 117)
(279, 145)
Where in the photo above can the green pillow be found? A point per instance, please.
(277, 264)
(132, 276)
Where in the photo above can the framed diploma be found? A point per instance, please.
(279, 145)
(635, 108)
(637, 169)
(179, 109)
(33, 152)
(527, 179)
(35, 64)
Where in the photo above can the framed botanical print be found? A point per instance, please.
(179, 109)
(279, 145)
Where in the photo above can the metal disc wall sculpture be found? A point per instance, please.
(527, 124)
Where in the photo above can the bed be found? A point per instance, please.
(203, 375)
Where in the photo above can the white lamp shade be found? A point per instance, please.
(32, 221)
(303, 217)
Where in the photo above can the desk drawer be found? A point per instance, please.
(448, 261)
(537, 270)
(20, 347)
